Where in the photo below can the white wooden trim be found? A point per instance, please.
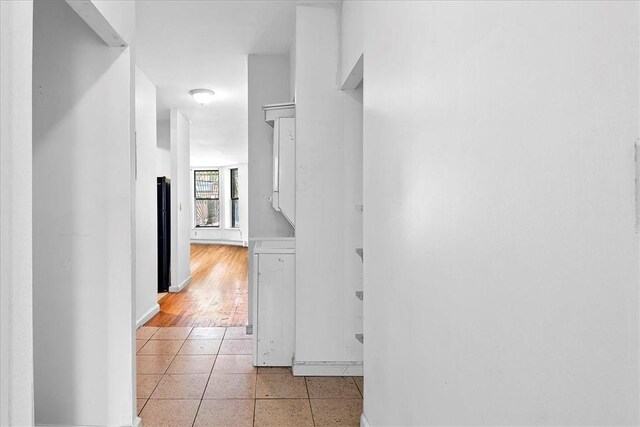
(363, 421)
(97, 22)
(218, 242)
(331, 369)
(181, 286)
(137, 422)
(148, 315)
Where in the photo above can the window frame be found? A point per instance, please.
(196, 198)
(236, 198)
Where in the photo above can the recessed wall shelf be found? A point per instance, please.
(360, 253)
(360, 337)
(360, 295)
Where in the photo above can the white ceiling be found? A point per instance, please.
(183, 45)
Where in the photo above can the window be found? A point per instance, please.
(206, 187)
(235, 202)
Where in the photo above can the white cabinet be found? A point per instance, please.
(282, 118)
(273, 286)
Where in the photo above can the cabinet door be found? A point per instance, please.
(275, 309)
(287, 164)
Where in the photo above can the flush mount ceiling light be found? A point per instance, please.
(202, 96)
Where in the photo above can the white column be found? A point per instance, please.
(16, 324)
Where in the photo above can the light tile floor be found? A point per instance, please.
(205, 377)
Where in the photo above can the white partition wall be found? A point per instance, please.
(146, 200)
(82, 220)
(328, 179)
(16, 323)
(501, 269)
(181, 196)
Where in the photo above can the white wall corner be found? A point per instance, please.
(180, 287)
(356, 75)
(148, 315)
(90, 14)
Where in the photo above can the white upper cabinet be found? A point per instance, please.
(282, 118)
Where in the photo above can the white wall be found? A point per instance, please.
(507, 292)
(225, 233)
(352, 218)
(82, 222)
(268, 84)
(292, 69)
(181, 196)
(146, 200)
(163, 153)
(16, 296)
(327, 169)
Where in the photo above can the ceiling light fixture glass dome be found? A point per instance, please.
(202, 96)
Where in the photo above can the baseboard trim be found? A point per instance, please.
(181, 287)
(148, 315)
(363, 421)
(329, 369)
(218, 242)
(136, 423)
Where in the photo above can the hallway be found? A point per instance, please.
(217, 295)
(205, 377)
(194, 363)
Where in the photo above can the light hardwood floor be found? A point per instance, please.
(217, 295)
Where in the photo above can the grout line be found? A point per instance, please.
(207, 384)
(165, 371)
(313, 419)
(255, 397)
(139, 411)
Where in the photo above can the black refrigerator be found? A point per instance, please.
(164, 233)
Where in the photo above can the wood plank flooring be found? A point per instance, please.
(217, 295)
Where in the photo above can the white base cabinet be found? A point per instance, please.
(273, 282)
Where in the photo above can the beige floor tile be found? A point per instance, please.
(182, 386)
(231, 386)
(360, 383)
(229, 413)
(161, 347)
(277, 370)
(332, 388)
(282, 413)
(282, 386)
(153, 364)
(336, 412)
(200, 347)
(212, 333)
(172, 333)
(145, 332)
(140, 404)
(237, 333)
(146, 384)
(140, 344)
(236, 347)
(234, 364)
(169, 413)
(192, 364)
